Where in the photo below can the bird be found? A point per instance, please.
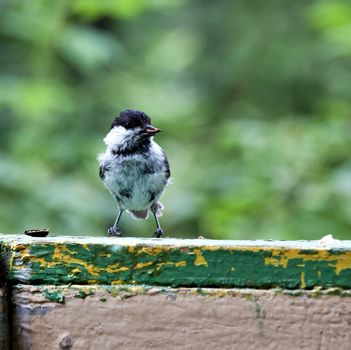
(134, 168)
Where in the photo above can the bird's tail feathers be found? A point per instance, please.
(139, 214)
(144, 214)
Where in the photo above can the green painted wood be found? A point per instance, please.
(175, 262)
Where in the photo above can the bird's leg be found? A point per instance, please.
(159, 232)
(115, 231)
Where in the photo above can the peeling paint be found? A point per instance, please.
(199, 260)
(55, 296)
(67, 291)
(83, 293)
(115, 268)
(339, 260)
(303, 282)
(118, 282)
(141, 265)
(171, 262)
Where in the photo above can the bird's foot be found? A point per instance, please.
(158, 233)
(114, 231)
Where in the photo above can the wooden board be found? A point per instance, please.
(141, 317)
(177, 263)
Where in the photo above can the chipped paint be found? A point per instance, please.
(79, 291)
(303, 282)
(116, 268)
(64, 255)
(82, 293)
(118, 282)
(280, 257)
(141, 265)
(171, 262)
(199, 260)
(55, 296)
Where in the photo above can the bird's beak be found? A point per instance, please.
(149, 129)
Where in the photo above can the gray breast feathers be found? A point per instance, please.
(136, 181)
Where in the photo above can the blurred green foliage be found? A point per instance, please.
(253, 97)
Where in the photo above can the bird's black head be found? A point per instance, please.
(131, 132)
(137, 123)
(131, 119)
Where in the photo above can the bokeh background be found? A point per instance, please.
(253, 97)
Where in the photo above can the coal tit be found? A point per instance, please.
(134, 168)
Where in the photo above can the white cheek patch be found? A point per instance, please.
(116, 136)
(157, 150)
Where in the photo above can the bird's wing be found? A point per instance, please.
(102, 171)
(166, 165)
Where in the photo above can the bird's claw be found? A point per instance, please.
(114, 231)
(158, 233)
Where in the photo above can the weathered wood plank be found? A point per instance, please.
(141, 317)
(175, 262)
(4, 320)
